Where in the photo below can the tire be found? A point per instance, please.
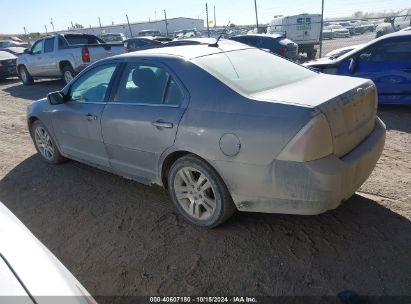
(210, 204)
(41, 137)
(311, 54)
(68, 74)
(25, 76)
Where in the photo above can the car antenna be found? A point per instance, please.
(215, 44)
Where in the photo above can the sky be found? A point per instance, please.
(35, 14)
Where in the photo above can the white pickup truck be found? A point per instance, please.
(303, 29)
(63, 56)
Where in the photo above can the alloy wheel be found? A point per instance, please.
(195, 193)
(44, 143)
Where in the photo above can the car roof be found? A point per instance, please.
(188, 51)
(275, 36)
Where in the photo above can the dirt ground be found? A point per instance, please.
(122, 238)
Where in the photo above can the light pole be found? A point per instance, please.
(322, 26)
(165, 19)
(99, 22)
(52, 24)
(215, 19)
(129, 27)
(256, 14)
(208, 26)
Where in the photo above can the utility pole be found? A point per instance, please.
(129, 27)
(99, 22)
(52, 24)
(165, 19)
(72, 25)
(322, 27)
(256, 14)
(208, 26)
(215, 19)
(47, 33)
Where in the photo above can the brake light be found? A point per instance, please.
(314, 141)
(85, 54)
(283, 50)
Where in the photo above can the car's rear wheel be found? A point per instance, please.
(25, 76)
(45, 144)
(198, 193)
(68, 74)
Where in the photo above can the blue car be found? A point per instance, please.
(385, 60)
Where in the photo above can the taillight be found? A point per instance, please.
(85, 54)
(283, 50)
(126, 49)
(314, 141)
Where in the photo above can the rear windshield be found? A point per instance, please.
(82, 39)
(252, 70)
(112, 38)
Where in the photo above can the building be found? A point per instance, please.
(174, 24)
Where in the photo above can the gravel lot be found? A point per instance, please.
(122, 238)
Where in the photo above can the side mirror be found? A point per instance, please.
(27, 51)
(55, 98)
(352, 68)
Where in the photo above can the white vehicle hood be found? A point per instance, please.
(27, 267)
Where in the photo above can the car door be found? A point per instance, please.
(77, 122)
(388, 64)
(49, 60)
(35, 61)
(141, 120)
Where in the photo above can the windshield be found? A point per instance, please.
(112, 38)
(252, 70)
(149, 33)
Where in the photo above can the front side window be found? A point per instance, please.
(267, 71)
(37, 47)
(92, 86)
(390, 50)
(147, 84)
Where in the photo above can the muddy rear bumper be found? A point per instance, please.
(314, 187)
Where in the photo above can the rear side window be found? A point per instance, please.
(49, 45)
(267, 71)
(147, 84)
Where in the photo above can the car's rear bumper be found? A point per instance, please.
(310, 187)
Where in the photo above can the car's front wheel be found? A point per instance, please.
(198, 193)
(45, 144)
(25, 76)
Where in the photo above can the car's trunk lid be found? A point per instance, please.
(350, 105)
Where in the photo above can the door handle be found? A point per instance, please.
(162, 124)
(91, 117)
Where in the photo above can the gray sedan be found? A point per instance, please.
(223, 127)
